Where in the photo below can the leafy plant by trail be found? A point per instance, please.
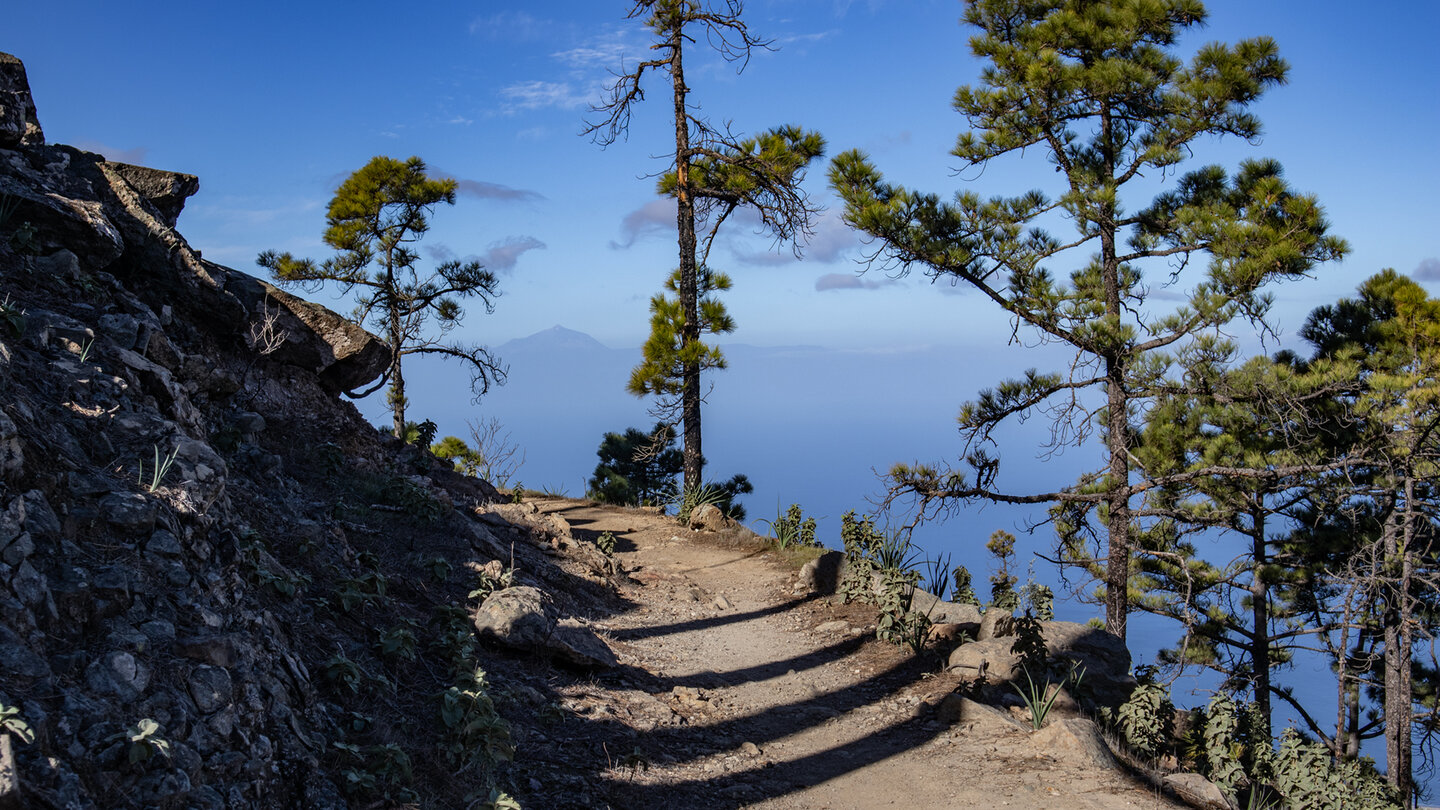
(421, 434)
(12, 317)
(375, 217)
(12, 723)
(1146, 721)
(792, 528)
(143, 742)
(476, 737)
(880, 570)
(158, 470)
(961, 590)
(1040, 696)
(722, 496)
(1234, 749)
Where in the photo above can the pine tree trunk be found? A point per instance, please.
(1117, 565)
(397, 379)
(685, 224)
(1398, 689)
(1260, 617)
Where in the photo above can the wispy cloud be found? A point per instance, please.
(509, 25)
(818, 36)
(1427, 270)
(584, 74)
(604, 50)
(851, 281)
(135, 156)
(656, 216)
(503, 255)
(495, 191)
(536, 95)
(831, 241)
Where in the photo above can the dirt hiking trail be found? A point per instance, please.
(742, 693)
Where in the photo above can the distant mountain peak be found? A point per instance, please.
(555, 339)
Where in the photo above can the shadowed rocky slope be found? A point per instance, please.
(198, 537)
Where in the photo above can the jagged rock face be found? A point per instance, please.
(166, 191)
(18, 122)
(120, 219)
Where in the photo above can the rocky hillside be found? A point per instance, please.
(219, 586)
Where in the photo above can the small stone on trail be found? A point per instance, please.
(837, 626)
(750, 749)
(722, 603)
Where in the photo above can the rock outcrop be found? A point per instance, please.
(18, 122)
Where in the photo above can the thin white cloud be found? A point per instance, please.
(833, 240)
(656, 216)
(536, 95)
(509, 25)
(485, 190)
(1427, 270)
(605, 50)
(807, 38)
(850, 281)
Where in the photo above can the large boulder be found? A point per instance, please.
(1076, 741)
(822, 575)
(709, 518)
(18, 121)
(525, 618)
(1105, 659)
(942, 612)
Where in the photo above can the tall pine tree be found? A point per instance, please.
(713, 174)
(1096, 88)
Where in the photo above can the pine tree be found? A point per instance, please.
(1388, 506)
(1252, 434)
(375, 217)
(713, 173)
(636, 468)
(1095, 87)
(667, 355)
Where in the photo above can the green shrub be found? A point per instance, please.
(12, 723)
(1146, 721)
(476, 736)
(792, 528)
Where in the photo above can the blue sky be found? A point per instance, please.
(273, 104)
